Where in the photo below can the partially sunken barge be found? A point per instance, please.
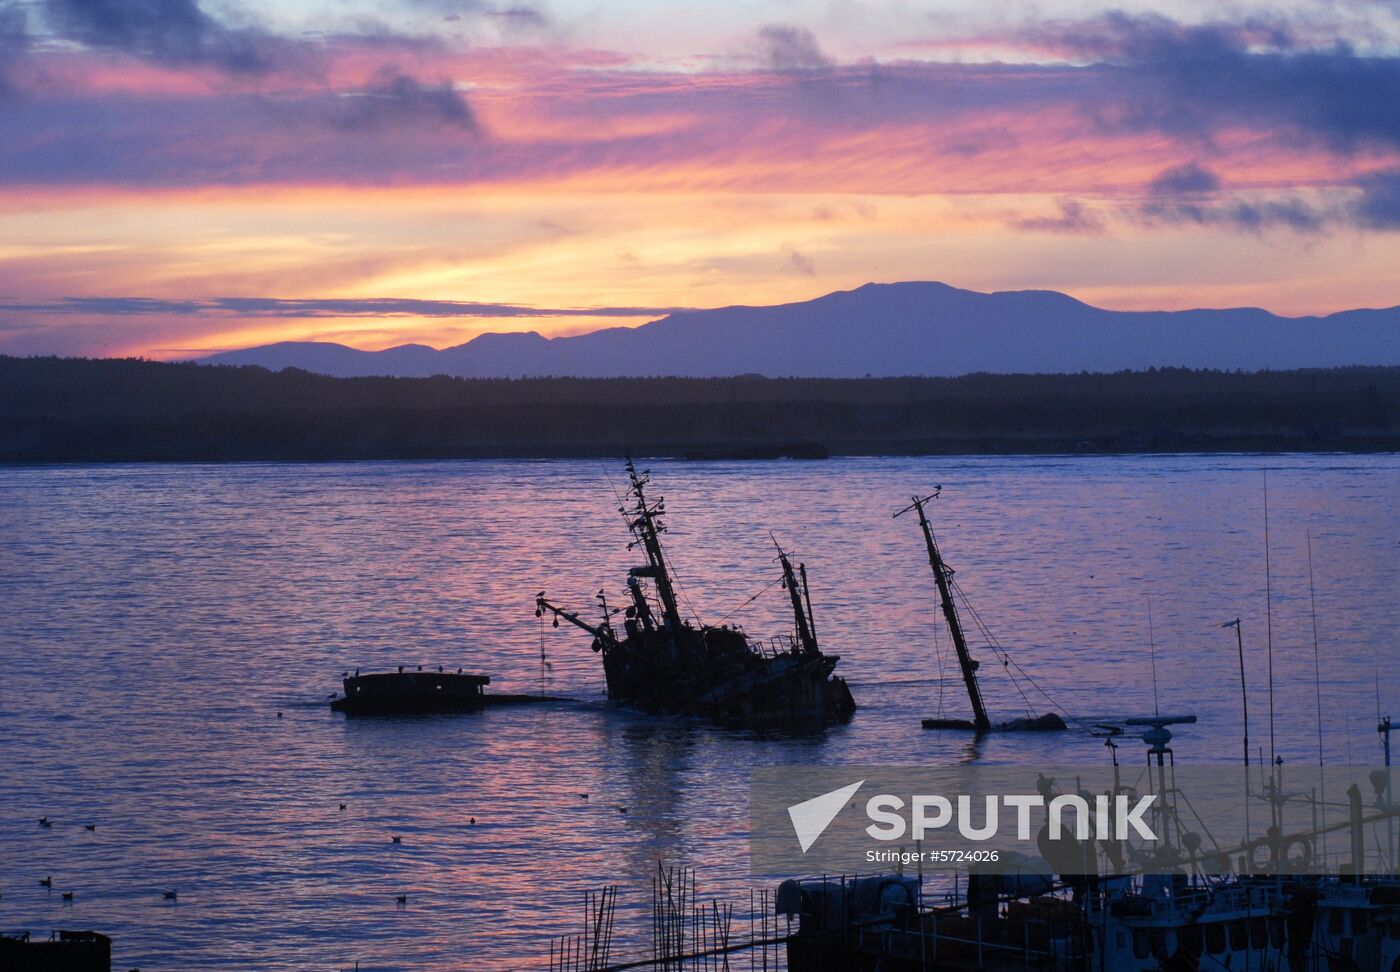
(664, 663)
(420, 693)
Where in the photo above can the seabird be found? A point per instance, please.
(45, 822)
(397, 840)
(47, 882)
(89, 826)
(473, 823)
(402, 899)
(171, 895)
(342, 806)
(68, 896)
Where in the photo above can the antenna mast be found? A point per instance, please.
(1269, 617)
(806, 634)
(1244, 702)
(941, 573)
(646, 527)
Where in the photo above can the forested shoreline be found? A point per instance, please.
(123, 410)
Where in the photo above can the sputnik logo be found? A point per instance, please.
(810, 818)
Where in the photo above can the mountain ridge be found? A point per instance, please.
(896, 329)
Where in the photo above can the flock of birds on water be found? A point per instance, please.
(169, 894)
(172, 894)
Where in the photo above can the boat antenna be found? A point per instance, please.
(806, 636)
(1244, 694)
(1244, 703)
(644, 522)
(1269, 617)
(1152, 650)
(941, 575)
(1317, 683)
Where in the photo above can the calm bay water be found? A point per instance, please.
(155, 619)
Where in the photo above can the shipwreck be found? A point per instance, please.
(943, 578)
(663, 662)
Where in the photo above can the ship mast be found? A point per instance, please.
(643, 521)
(941, 574)
(806, 628)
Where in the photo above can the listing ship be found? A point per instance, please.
(663, 662)
(981, 722)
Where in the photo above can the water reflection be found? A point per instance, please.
(155, 620)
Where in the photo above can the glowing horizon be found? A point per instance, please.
(583, 161)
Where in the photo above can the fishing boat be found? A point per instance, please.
(943, 578)
(664, 662)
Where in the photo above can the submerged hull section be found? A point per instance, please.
(1049, 722)
(715, 674)
(407, 693)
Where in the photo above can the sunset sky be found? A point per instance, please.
(179, 177)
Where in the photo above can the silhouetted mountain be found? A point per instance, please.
(886, 330)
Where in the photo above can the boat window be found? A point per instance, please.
(1239, 935)
(1140, 943)
(1334, 922)
(1158, 939)
(1215, 937)
(1258, 933)
(1189, 938)
(1358, 922)
(1276, 932)
(1122, 939)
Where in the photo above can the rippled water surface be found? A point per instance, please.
(154, 620)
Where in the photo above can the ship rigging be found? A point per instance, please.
(943, 578)
(664, 662)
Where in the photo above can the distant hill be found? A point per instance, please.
(882, 330)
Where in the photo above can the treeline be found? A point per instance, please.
(71, 409)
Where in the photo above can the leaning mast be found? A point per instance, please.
(941, 573)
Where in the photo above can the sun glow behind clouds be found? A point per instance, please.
(571, 157)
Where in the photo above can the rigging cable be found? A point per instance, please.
(771, 584)
(995, 645)
(938, 653)
(1007, 660)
